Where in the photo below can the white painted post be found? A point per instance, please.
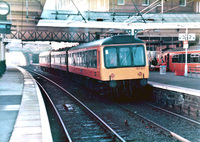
(2, 49)
(132, 32)
(186, 66)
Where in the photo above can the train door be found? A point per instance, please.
(167, 61)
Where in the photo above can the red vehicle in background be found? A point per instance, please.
(174, 59)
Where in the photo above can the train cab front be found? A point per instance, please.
(125, 67)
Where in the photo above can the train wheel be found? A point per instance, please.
(130, 88)
(115, 95)
(112, 93)
(130, 91)
(91, 84)
(101, 88)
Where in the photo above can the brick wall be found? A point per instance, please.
(184, 103)
(171, 6)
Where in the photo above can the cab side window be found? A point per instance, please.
(194, 58)
(175, 58)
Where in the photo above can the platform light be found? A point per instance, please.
(4, 8)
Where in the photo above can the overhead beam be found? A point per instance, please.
(24, 23)
(20, 8)
(54, 36)
(19, 17)
(112, 25)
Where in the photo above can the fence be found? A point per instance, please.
(194, 71)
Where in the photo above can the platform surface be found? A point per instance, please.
(171, 79)
(23, 116)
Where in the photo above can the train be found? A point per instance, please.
(114, 65)
(174, 59)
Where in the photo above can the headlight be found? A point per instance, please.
(140, 73)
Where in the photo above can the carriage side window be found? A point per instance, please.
(138, 55)
(81, 59)
(84, 59)
(194, 58)
(111, 57)
(175, 58)
(70, 59)
(94, 59)
(42, 59)
(63, 59)
(48, 60)
(52, 59)
(73, 59)
(182, 58)
(89, 59)
(78, 58)
(57, 59)
(124, 56)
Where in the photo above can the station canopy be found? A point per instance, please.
(79, 16)
(38, 19)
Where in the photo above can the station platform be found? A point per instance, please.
(23, 116)
(183, 84)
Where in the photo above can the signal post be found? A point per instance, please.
(185, 37)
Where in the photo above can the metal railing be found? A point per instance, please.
(195, 71)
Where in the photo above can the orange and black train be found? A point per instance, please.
(117, 63)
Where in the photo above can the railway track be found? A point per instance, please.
(78, 121)
(125, 116)
(172, 113)
(171, 124)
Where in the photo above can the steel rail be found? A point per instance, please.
(117, 136)
(172, 113)
(59, 117)
(167, 131)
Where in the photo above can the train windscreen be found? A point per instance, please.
(124, 56)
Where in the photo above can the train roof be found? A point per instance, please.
(44, 53)
(120, 39)
(180, 49)
(62, 49)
